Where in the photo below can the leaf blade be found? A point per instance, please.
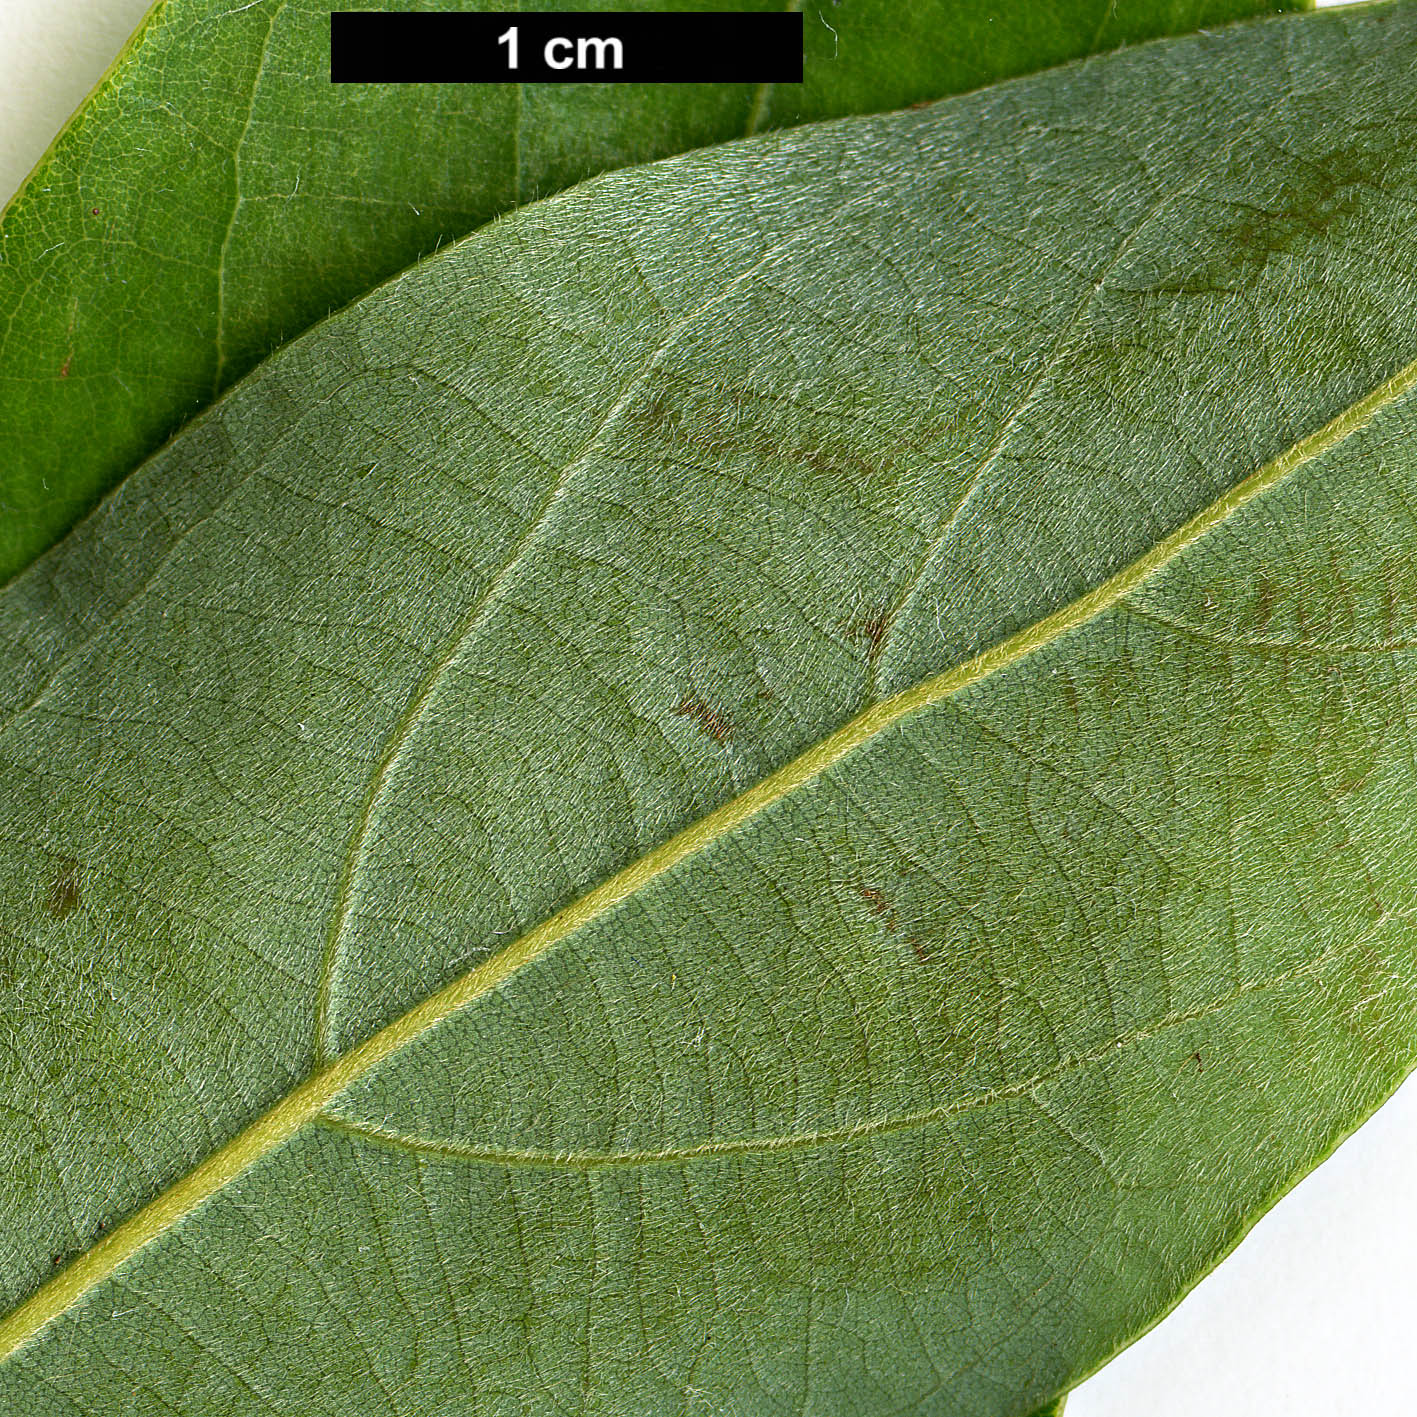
(308, 1104)
(874, 930)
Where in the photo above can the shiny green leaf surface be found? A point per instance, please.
(781, 784)
(217, 194)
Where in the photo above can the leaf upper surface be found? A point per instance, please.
(217, 195)
(935, 1072)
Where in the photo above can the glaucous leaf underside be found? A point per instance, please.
(780, 784)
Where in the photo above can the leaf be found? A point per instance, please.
(217, 195)
(778, 785)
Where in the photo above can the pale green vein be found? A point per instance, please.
(1037, 385)
(863, 1130)
(302, 1106)
(759, 108)
(463, 634)
(1108, 10)
(404, 728)
(236, 201)
(520, 91)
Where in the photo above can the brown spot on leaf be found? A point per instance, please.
(880, 905)
(710, 720)
(1316, 203)
(873, 629)
(882, 908)
(1264, 602)
(69, 357)
(63, 898)
(875, 899)
(745, 422)
(656, 413)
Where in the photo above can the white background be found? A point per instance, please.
(1313, 1316)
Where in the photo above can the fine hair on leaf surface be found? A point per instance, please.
(779, 783)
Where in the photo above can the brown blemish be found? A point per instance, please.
(747, 421)
(882, 908)
(63, 899)
(654, 414)
(1317, 203)
(1264, 602)
(873, 629)
(710, 720)
(1347, 785)
(878, 903)
(69, 357)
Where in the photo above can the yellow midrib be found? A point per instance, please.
(303, 1104)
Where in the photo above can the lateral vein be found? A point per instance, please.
(237, 199)
(447, 653)
(829, 1136)
(304, 1104)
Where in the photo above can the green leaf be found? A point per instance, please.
(217, 195)
(781, 784)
